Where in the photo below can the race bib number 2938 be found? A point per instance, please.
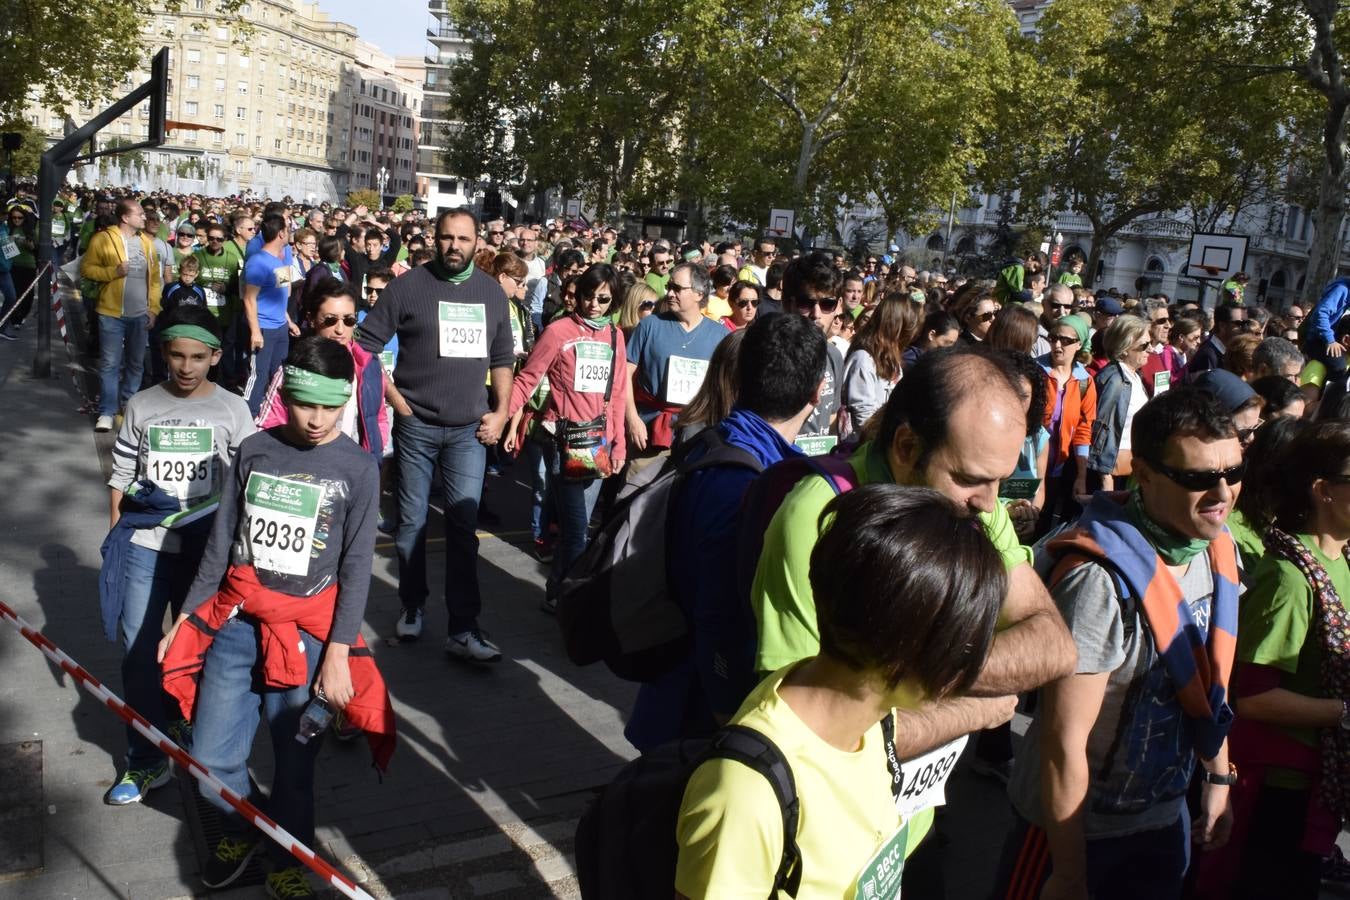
(280, 516)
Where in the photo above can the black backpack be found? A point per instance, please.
(625, 841)
(614, 604)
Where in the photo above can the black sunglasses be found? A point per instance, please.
(1061, 306)
(330, 321)
(826, 304)
(647, 304)
(1204, 480)
(1064, 339)
(374, 291)
(753, 301)
(986, 316)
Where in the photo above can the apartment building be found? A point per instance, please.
(386, 103)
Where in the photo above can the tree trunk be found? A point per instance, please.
(804, 156)
(1325, 252)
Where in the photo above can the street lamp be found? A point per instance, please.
(383, 177)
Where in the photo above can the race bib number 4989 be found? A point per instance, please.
(924, 778)
(279, 518)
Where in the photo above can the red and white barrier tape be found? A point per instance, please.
(19, 302)
(250, 812)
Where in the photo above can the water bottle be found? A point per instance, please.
(314, 719)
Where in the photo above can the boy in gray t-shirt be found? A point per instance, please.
(181, 435)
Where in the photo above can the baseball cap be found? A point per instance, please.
(1109, 305)
(1231, 391)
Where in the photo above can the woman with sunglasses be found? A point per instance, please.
(1165, 366)
(1120, 394)
(744, 297)
(1291, 739)
(1070, 411)
(975, 308)
(578, 352)
(329, 311)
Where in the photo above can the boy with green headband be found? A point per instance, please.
(178, 437)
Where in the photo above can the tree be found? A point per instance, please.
(402, 203)
(25, 159)
(1293, 49)
(367, 197)
(1130, 133)
(78, 53)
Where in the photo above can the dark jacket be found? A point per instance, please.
(1113, 405)
(1207, 357)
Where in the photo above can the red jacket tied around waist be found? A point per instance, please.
(281, 618)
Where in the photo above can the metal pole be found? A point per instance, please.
(50, 175)
(947, 242)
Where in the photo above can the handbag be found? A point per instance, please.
(583, 449)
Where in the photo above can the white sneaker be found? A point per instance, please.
(471, 645)
(409, 626)
(104, 423)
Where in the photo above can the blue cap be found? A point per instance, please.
(1109, 305)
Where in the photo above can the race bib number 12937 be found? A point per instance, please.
(463, 330)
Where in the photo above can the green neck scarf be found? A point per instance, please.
(1174, 549)
(335, 268)
(595, 324)
(442, 272)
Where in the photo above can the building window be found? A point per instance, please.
(190, 108)
(220, 85)
(220, 57)
(222, 33)
(239, 165)
(241, 87)
(193, 82)
(217, 138)
(257, 143)
(241, 112)
(194, 55)
(219, 111)
(239, 139)
(277, 142)
(243, 62)
(199, 4)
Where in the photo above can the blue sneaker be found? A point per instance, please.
(136, 783)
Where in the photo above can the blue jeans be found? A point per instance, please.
(7, 293)
(263, 364)
(454, 453)
(541, 504)
(151, 583)
(228, 698)
(573, 503)
(121, 360)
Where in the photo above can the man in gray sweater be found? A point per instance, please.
(454, 336)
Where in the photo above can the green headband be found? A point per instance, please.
(196, 332)
(304, 386)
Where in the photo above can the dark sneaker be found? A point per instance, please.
(286, 884)
(409, 627)
(473, 646)
(228, 861)
(543, 550)
(136, 783)
(181, 733)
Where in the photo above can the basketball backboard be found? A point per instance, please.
(1216, 256)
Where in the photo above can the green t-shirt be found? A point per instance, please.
(1277, 625)
(1070, 279)
(781, 596)
(1250, 546)
(657, 283)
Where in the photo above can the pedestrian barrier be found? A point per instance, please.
(250, 812)
(24, 296)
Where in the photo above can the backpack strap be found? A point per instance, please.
(1129, 604)
(750, 748)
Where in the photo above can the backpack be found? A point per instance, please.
(768, 492)
(615, 604)
(625, 841)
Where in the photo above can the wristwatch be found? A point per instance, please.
(1226, 780)
(1345, 715)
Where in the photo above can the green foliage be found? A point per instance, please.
(367, 197)
(402, 203)
(25, 159)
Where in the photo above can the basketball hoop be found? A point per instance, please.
(1211, 271)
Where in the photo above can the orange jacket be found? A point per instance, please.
(280, 618)
(1073, 437)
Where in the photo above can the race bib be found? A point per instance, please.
(684, 376)
(463, 330)
(285, 275)
(58, 228)
(816, 444)
(214, 299)
(279, 519)
(179, 460)
(880, 878)
(1161, 382)
(9, 248)
(594, 361)
(387, 360)
(924, 778)
(1019, 488)
(517, 336)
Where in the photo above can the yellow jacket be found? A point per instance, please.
(100, 261)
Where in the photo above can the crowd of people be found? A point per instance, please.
(935, 498)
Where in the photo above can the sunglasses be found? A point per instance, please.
(986, 316)
(1165, 320)
(215, 240)
(496, 233)
(374, 291)
(1140, 348)
(1246, 434)
(1068, 306)
(1204, 480)
(751, 302)
(330, 321)
(647, 304)
(1066, 340)
(826, 304)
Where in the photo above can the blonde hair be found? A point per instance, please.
(634, 297)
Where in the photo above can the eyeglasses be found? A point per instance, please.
(330, 321)
(660, 262)
(1068, 306)
(986, 316)
(216, 239)
(496, 233)
(677, 289)
(647, 304)
(826, 304)
(1065, 339)
(374, 291)
(1140, 348)
(1204, 480)
(182, 235)
(603, 301)
(1165, 320)
(753, 301)
(1246, 434)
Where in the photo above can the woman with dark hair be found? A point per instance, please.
(329, 312)
(511, 273)
(873, 366)
(905, 591)
(745, 297)
(975, 307)
(939, 329)
(1282, 397)
(1254, 510)
(1291, 739)
(719, 301)
(1014, 329)
(582, 354)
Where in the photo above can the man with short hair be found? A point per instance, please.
(811, 289)
(668, 357)
(757, 269)
(536, 282)
(266, 292)
(121, 259)
(1277, 356)
(658, 273)
(955, 423)
(1057, 303)
(1229, 322)
(454, 334)
(1147, 583)
(851, 293)
(778, 378)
